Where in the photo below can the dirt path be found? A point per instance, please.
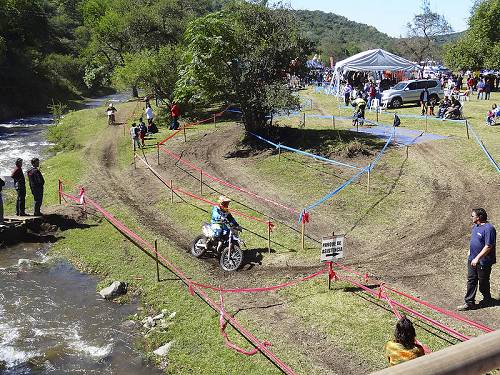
(421, 251)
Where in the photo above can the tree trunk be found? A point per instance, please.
(135, 93)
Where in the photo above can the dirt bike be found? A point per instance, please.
(226, 248)
(111, 118)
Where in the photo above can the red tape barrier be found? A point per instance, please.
(195, 287)
(225, 183)
(229, 344)
(261, 346)
(446, 312)
(269, 224)
(186, 126)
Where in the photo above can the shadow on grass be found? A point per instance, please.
(440, 334)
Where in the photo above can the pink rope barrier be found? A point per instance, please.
(261, 346)
(189, 194)
(441, 310)
(196, 287)
(228, 184)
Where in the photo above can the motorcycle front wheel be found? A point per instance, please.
(231, 262)
(199, 246)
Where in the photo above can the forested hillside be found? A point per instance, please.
(339, 37)
(57, 50)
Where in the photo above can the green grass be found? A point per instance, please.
(343, 316)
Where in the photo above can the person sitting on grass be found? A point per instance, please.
(492, 114)
(443, 106)
(453, 112)
(404, 347)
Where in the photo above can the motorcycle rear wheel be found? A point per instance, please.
(199, 246)
(233, 262)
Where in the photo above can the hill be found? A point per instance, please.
(340, 37)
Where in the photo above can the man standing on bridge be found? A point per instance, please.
(36, 185)
(481, 257)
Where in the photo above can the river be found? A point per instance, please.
(52, 321)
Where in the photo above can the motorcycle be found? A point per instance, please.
(111, 117)
(226, 248)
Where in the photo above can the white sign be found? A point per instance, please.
(332, 248)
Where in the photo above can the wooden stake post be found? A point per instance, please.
(171, 191)
(59, 190)
(158, 152)
(134, 154)
(467, 128)
(184, 129)
(215, 120)
(368, 182)
(269, 236)
(303, 235)
(426, 122)
(157, 262)
(201, 182)
(304, 119)
(279, 151)
(330, 268)
(333, 122)
(303, 230)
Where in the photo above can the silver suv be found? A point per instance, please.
(409, 92)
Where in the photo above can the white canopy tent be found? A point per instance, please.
(374, 60)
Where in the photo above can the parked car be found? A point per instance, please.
(409, 92)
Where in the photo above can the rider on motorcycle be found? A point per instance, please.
(221, 217)
(111, 113)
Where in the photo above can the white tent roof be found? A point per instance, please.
(374, 60)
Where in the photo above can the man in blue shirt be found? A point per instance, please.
(482, 255)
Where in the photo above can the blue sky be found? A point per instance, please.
(390, 16)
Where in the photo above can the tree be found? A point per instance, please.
(119, 29)
(420, 44)
(241, 55)
(480, 46)
(154, 71)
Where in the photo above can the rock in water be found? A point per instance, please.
(23, 262)
(116, 289)
(163, 350)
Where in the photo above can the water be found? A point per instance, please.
(53, 321)
(25, 137)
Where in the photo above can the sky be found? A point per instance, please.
(390, 16)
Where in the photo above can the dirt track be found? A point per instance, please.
(423, 251)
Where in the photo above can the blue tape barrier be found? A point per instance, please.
(486, 152)
(308, 154)
(350, 181)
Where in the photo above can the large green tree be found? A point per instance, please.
(241, 55)
(120, 31)
(480, 46)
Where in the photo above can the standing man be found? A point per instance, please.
(424, 100)
(36, 181)
(149, 113)
(481, 257)
(2, 184)
(20, 186)
(134, 135)
(175, 113)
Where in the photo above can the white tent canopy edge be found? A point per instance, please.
(374, 60)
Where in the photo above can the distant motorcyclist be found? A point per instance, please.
(111, 114)
(221, 217)
(359, 110)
